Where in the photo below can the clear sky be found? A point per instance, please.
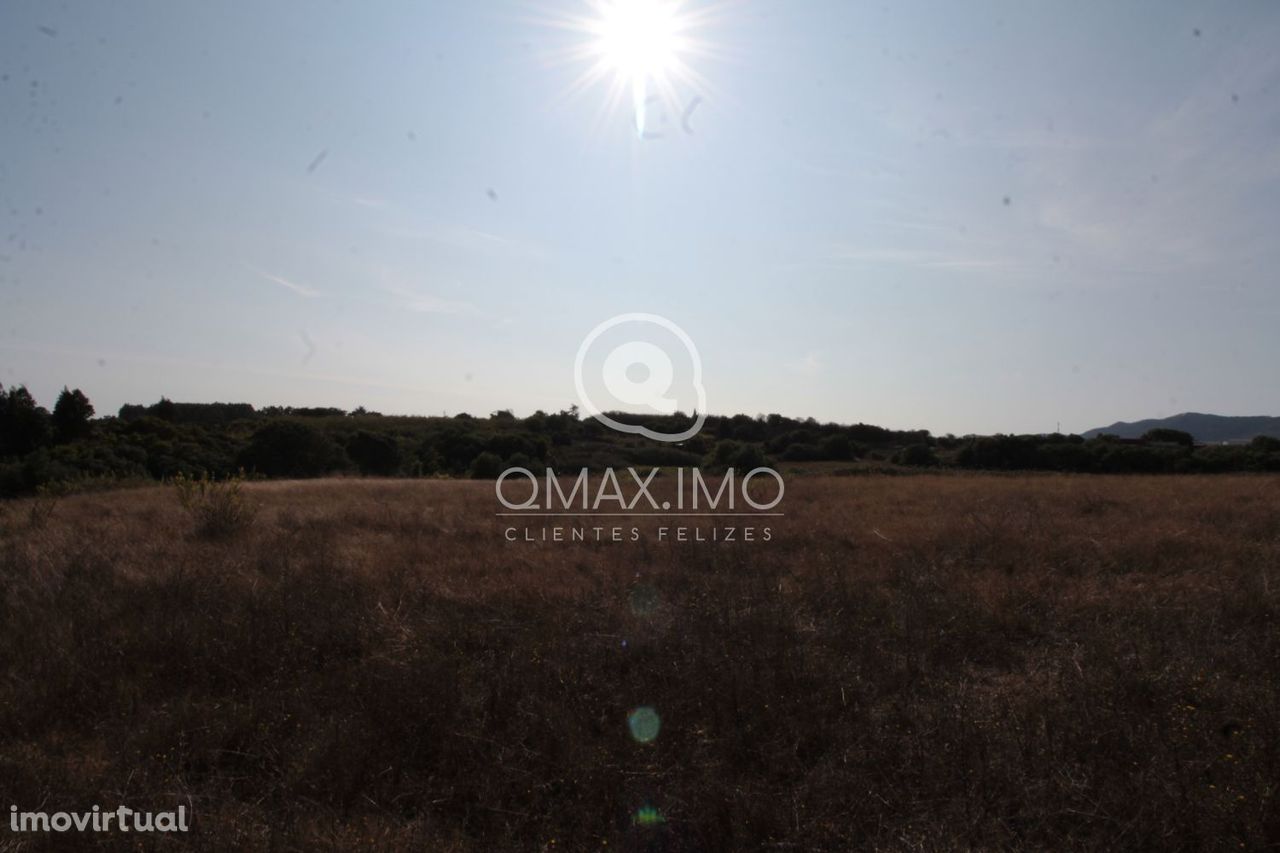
(965, 217)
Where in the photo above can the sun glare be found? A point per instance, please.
(638, 38)
(639, 41)
(640, 47)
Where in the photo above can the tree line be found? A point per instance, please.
(167, 439)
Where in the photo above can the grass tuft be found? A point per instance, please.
(219, 508)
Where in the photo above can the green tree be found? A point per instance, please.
(24, 426)
(71, 415)
(165, 410)
(374, 453)
(292, 449)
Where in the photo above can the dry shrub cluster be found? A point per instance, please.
(219, 508)
(925, 663)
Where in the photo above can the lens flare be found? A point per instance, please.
(647, 816)
(644, 724)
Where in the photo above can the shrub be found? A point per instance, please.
(723, 453)
(456, 447)
(520, 460)
(428, 461)
(509, 444)
(916, 455)
(737, 455)
(802, 452)
(45, 502)
(1265, 443)
(486, 466)
(374, 453)
(837, 447)
(749, 457)
(219, 509)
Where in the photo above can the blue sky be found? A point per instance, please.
(969, 217)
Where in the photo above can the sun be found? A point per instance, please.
(638, 39)
(640, 43)
(641, 47)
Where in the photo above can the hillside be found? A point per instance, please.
(1211, 429)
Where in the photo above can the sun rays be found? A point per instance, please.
(641, 52)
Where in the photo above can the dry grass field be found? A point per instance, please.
(910, 663)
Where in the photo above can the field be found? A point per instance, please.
(930, 662)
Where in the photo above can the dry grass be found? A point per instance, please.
(926, 663)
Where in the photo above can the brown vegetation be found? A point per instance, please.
(932, 662)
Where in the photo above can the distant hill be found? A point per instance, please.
(1211, 429)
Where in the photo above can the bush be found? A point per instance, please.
(427, 461)
(509, 444)
(802, 452)
(837, 447)
(1265, 443)
(519, 460)
(45, 502)
(219, 509)
(374, 453)
(456, 447)
(723, 453)
(748, 457)
(917, 456)
(486, 466)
